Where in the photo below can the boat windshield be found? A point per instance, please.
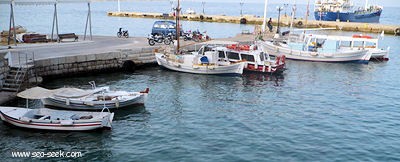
(247, 57)
(233, 55)
(221, 54)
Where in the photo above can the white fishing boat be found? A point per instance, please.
(202, 62)
(92, 99)
(255, 59)
(321, 48)
(58, 120)
(206, 62)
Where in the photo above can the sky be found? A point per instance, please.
(389, 3)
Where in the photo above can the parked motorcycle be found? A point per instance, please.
(169, 38)
(121, 33)
(197, 36)
(156, 38)
(187, 35)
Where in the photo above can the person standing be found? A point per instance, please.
(270, 24)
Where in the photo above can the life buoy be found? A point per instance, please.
(244, 47)
(397, 31)
(232, 46)
(362, 36)
(243, 21)
(300, 23)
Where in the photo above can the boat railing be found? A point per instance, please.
(93, 84)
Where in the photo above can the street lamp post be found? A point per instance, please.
(279, 8)
(241, 8)
(285, 5)
(171, 2)
(203, 3)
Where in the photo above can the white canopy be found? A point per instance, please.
(36, 93)
(40, 93)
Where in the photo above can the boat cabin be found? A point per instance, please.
(333, 44)
(247, 53)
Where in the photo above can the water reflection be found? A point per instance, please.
(256, 79)
(33, 140)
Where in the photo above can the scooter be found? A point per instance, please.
(121, 33)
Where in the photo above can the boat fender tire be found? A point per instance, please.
(300, 23)
(243, 21)
(129, 66)
(397, 31)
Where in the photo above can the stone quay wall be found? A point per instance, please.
(94, 62)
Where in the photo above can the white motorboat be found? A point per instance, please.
(59, 120)
(92, 99)
(255, 59)
(321, 48)
(203, 62)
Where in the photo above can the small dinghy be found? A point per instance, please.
(59, 120)
(94, 99)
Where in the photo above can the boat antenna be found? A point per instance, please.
(178, 10)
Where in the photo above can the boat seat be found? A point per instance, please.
(66, 122)
(204, 60)
(25, 119)
(44, 117)
(86, 117)
(75, 117)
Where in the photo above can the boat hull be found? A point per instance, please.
(371, 17)
(53, 125)
(264, 70)
(234, 69)
(91, 106)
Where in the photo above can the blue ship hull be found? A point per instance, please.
(370, 17)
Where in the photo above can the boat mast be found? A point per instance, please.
(366, 4)
(291, 22)
(308, 12)
(265, 15)
(178, 10)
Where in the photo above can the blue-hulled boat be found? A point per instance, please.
(343, 10)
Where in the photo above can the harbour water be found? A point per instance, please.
(313, 112)
(72, 16)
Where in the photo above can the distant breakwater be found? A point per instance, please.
(284, 21)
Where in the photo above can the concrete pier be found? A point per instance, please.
(249, 19)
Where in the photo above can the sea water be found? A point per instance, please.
(312, 112)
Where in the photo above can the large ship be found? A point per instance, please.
(344, 10)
